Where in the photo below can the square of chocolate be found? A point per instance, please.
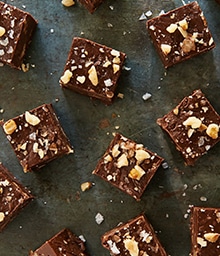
(193, 125)
(135, 237)
(180, 34)
(37, 137)
(16, 31)
(205, 231)
(91, 5)
(13, 197)
(63, 243)
(128, 166)
(92, 69)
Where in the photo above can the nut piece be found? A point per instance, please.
(66, 77)
(141, 155)
(201, 242)
(132, 246)
(115, 151)
(183, 24)
(136, 173)
(172, 28)
(10, 126)
(31, 119)
(188, 45)
(81, 79)
(122, 161)
(2, 216)
(193, 121)
(2, 31)
(68, 3)
(93, 75)
(211, 237)
(212, 131)
(166, 48)
(86, 185)
(116, 68)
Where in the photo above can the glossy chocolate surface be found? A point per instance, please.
(91, 5)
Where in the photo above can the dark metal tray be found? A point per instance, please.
(89, 124)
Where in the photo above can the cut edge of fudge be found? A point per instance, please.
(65, 242)
(43, 137)
(92, 69)
(194, 122)
(175, 39)
(91, 5)
(128, 166)
(25, 24)
(134, 237)
(12, 189)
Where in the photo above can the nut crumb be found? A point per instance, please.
(68, 3)
(86, 185)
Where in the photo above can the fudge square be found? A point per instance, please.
(16, 30)
(13, 197)
(205, 231)
(128, 166)
(92, 69)
(63, 243)
(37, 137)
(91, 5)
(180, 34)
(136, 237)
(193, 125)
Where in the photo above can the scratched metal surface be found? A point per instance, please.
(59, 201)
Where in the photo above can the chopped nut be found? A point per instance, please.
(116, 68)
(211, 41)
(2, 31)
(171, 28)
(106, 64)
(68, 3)
(136, 173)
(166, 48)
(188, 45)
(93, 75)
(115, 151)
(31, 119)
(10, 126)
(201, 242)
(115, 53)
(107, 159)
(132, 246)
(141, 155)
(86, 185)
(40, 153)
(25, 67)
(176, 111)
(212, 131)
(81, 79)
(193, 121)
(190, 132)
(183, 24)
(66, 77)
(2, 216)
(183, 32)
(122, 161)
(211, 237)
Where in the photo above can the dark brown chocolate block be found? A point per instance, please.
(193, 125)
(205, 231)
(63, 243)
(13, 197)
(136, 237)
(37, 137)
(16, 30)
(92, 69)
(91, 5)
(180, 34)
(128, 166)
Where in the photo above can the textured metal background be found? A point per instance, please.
(59, 201)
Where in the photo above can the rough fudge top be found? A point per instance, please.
(63, 243)
(92, 69)
(180, 34)
(136, 237)
(128, 166)
(13, 197)
(205, 231)
(37, 137)
(193, 126)
(91, 5)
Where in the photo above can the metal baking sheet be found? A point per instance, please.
(59, 201)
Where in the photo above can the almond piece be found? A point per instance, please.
(201, 242)
(183, 24)
(86, 185)
(166, 48)
(2, 31)
(2, 216)
(122, 161)
(172, 28)
(31, 119)
(188, 45)
(212, 131)
(211, 237)
(10, 126)
(67, 3)
(66, 76)
(141, 155)
(132, 246)
(136, 173)
(193, 121)
(93, 75)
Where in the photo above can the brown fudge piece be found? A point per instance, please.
(128, 166)
(136, 237)
(205, 231)
(92, 69)
(63, 243)
(180, 34)
(13, 197)
(16, 30)
(37, 137)
(193, 126)
(91, 5)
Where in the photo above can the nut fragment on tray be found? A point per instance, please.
(205, 231)
(180, 34)
(193, 125)
(63, 243)
(16, 30)
(13, 197)
(128, 166)
(37, 137)
(136, 237)
(92, 69)
(91, 5)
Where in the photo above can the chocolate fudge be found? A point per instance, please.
(16, 30)
(92, 69)
(128, 166)
(37, 137)
(205, 231)
(136, 237)
(193, 125)
(180, 34)
(91, 5)
(13, 197)
(63, 243)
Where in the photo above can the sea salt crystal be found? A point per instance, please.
(99, 218)
(146, 96)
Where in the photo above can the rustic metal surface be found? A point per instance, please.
(59, 202)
